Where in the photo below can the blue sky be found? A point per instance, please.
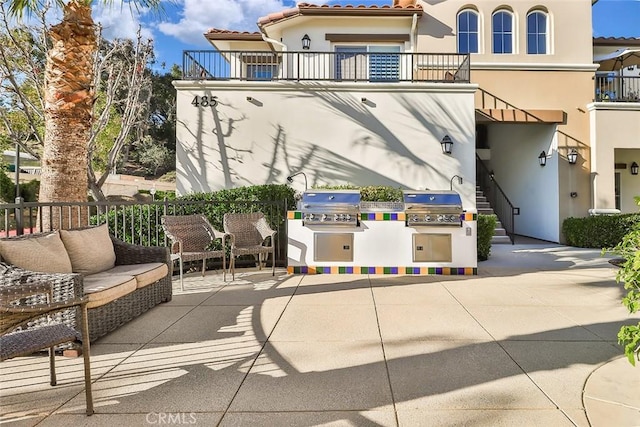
(184, 21)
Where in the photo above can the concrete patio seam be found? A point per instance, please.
(384, 353)
(253, 362)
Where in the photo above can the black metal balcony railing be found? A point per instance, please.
(331, 66)
(617, 88)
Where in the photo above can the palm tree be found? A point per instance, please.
(69, 98)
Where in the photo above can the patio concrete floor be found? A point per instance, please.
(530, 340)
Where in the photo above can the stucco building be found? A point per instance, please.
(365, 95)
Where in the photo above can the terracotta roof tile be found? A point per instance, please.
(313, 9)
(616, 41)
(219, 34)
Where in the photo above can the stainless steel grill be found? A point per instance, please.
(331, 207)
(433, 208)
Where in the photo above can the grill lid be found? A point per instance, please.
(324, 207)
(331, 197)
(429, 199)
(432, 207)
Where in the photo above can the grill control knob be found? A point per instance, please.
(324, 217)
(440, 218)
(427, 218)
(348, 217)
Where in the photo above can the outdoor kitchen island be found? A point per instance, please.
(332, 232)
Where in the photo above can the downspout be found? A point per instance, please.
(272, 41)
(412, 41)
(277, 42)
(412, 35)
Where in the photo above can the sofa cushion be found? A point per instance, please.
(145, 274)
(44, 253)
(90, 250)
(101, 288)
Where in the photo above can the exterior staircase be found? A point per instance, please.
(483, 207)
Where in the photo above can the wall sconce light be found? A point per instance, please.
(631, 67)
(290, 178)
(542, 159)
(634, 168)
(573, 194)
(249, 98)
(363, 100)
(572, 157)
(306, 42)
(446, 144)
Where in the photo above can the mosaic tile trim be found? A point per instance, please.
(418, 271)
(294, 215)
(469, 216)
(385, 216)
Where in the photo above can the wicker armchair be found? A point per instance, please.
(24, 304)
(250, 235)
(191, 236)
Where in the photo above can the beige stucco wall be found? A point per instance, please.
(318, 27)
(327, 131)
(615, 130)
(570, 43)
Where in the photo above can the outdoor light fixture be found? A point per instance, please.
(631, 67)
(634, 168)
(572, 157)
(306, 42)
(290, 178)
(446, 144)
(542, 158)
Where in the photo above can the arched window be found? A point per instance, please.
(468, 31)
(502, 23)
(537, 33)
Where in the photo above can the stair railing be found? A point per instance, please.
(499, 201)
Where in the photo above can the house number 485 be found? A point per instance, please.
(204, 101)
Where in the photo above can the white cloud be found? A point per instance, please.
(120, 22)
(195, 17)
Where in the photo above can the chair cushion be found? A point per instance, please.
(90, 250)
(102, 288)
(145, 274)
(45, 253)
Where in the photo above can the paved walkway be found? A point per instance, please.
(530, 341)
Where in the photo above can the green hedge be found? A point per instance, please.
(28, 189)
(486, 229)
(371, 193)
(141, 220)
(602, 231)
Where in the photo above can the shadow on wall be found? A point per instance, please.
(197, 161)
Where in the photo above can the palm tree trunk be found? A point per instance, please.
(69, 97)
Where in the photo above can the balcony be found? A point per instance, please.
(347, 66)
(613, 88)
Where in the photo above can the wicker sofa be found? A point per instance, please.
(120, 280)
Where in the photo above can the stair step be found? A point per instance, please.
(499, 232)
(481, 199)
(486, 211)
(500, 240)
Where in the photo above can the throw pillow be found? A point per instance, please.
(90, 250)
(44, 254)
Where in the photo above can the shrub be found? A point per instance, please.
(7, 188)
(598, 231)
(30, 190)
(142, 219)
(629, 273)
(486, 229)
(371, 193)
